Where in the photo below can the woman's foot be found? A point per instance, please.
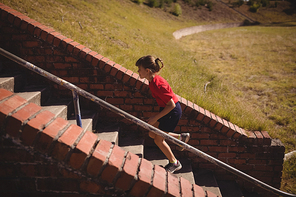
(172, 167)
(184, 138)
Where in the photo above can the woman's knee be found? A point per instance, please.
(158, 139)
(151, 134)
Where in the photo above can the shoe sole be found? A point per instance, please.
(179, 168)
(186, 140)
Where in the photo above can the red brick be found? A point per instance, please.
(237, 161)
(218, 149)
(96, 86)
(82, 149)
(236, 135)
(210, 194)
(173, 186)
(108, 66)
(213, 121)
(145, 87)
(266, 138)
(90, 56)
(207, 117)
(65, 42)
(120, 73)
(17, 119)
(115, 69)
(10, 17)
(62, 66)
(102, 62)
(143, 108)
(144, 179)
(257, 161)
(230, 133)
(159, 181)
(71, 46)
(91, 187)
(186, 187)
(35, 125)
(133, 100)
(115, 101)
(49, 133)
(77, 49)
(114, 164)
(45, 32)
(236, 149)
(96, 59)
(98, 157)
(134, 79)
(58, 40)
(259, 137)
(209, 142)
(227, 155)
(198, 191)
(65, 142)
(127, 76)
(32, 25)
(4, 94)
(129, 172)
(84, 52)
(51, 36)
(38, 29)
(200, 115)
(225, 127)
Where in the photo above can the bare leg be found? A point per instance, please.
(163, 146)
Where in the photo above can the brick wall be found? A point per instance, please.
(252, 152)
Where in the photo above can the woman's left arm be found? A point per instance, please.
(169, 107)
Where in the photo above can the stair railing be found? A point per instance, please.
(78, 91)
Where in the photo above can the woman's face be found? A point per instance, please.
(143, 73)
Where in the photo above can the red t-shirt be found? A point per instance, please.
(162, 91)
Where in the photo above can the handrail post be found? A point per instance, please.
(77, 108)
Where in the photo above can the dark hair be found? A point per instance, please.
(151, 63)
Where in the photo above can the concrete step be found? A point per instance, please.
(7, 83)
(206, 179)
(109, 133)
(87, 118)
(32, 97)
(58, 110)
(19, 78)
(156, 157)
(229, 189)
(132, 143)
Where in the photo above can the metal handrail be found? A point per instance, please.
(143, 124)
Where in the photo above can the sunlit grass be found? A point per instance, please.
(255, 68)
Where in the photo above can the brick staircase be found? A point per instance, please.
(16, 82)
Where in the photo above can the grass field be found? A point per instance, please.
(251, 70)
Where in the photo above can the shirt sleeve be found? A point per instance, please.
(164, 93)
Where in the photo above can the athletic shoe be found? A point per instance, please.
(171, 167)
(184, 138)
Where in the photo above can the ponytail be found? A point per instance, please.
(150, 63)
(157, 60)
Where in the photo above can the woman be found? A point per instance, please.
(170, 109)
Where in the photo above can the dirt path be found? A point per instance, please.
(196, 29)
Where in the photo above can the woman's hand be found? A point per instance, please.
(152, 120)
(169, 107)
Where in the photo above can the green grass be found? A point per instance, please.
(251, 70)
(254, 68)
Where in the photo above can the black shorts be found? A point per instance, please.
(169, 122)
